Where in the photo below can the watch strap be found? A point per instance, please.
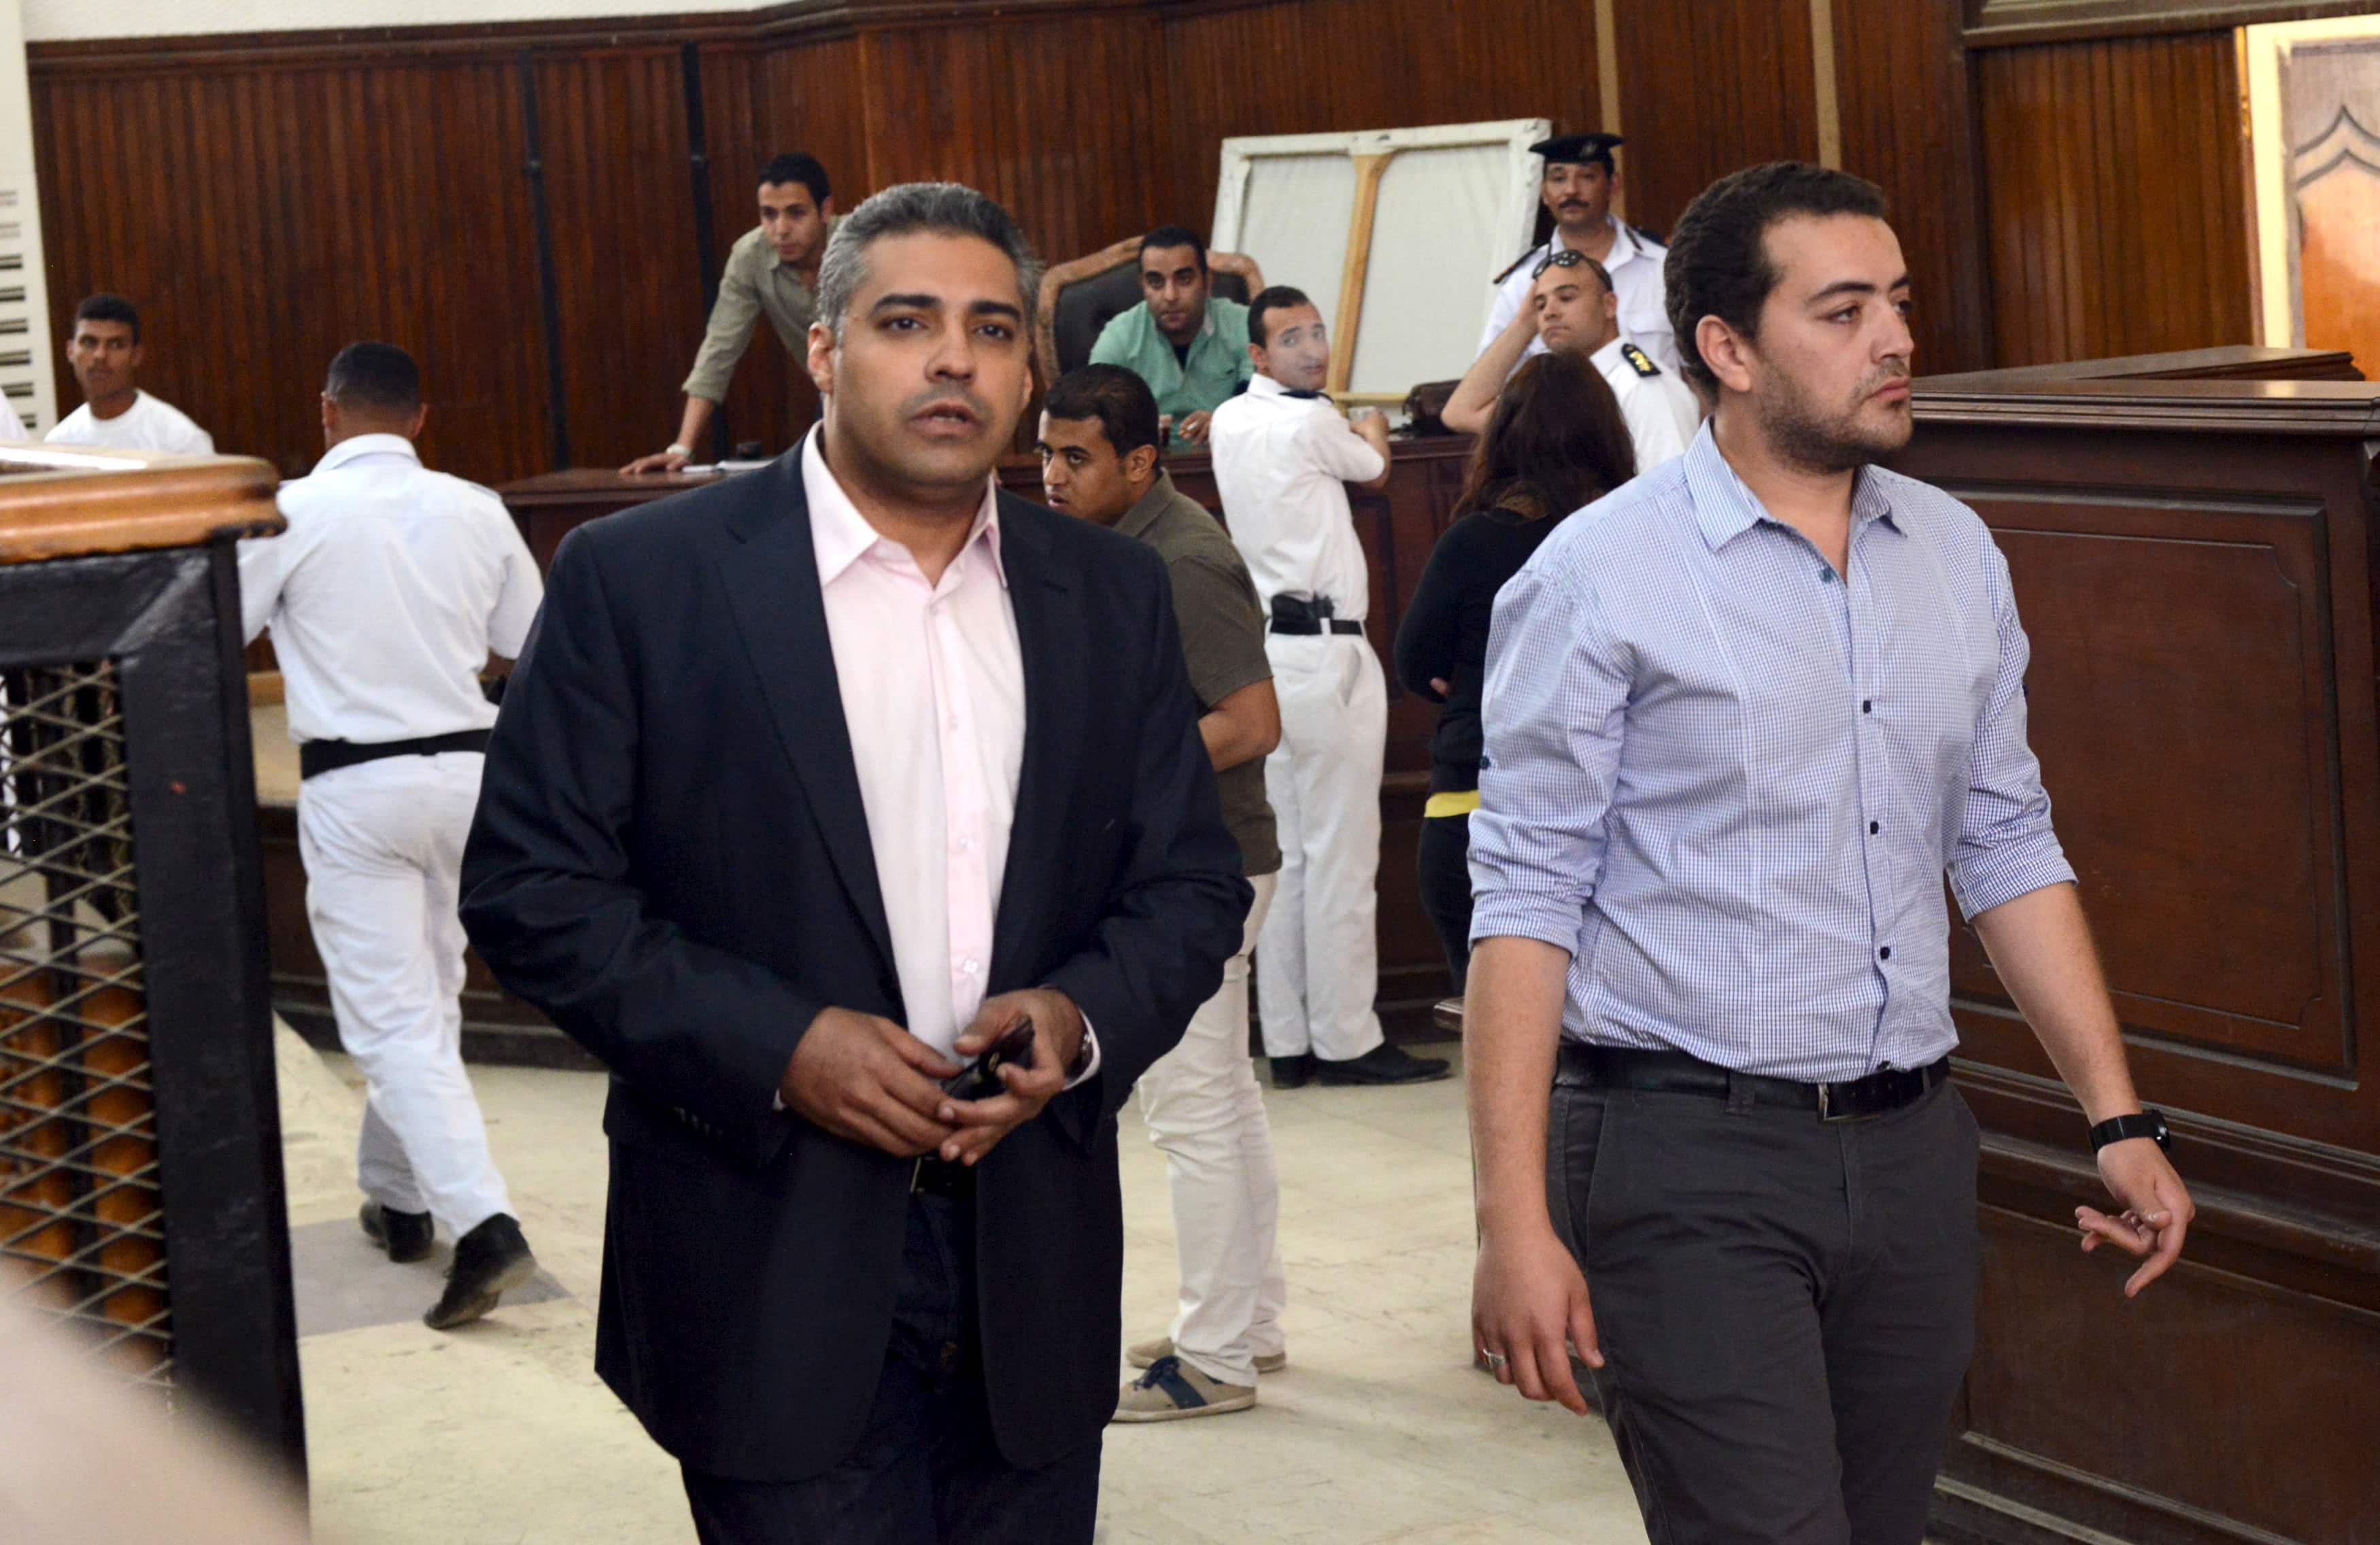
(2140, 1124)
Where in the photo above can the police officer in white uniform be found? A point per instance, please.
(1579, 182)
(386, 595)
(1572, 309)
(1284, 457)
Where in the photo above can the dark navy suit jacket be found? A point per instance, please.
(671, 860)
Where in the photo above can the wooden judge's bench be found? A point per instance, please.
(2192, 546)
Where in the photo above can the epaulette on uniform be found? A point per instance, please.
(1516, 264)
(1638, 361)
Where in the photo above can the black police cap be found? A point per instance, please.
(1585, 149)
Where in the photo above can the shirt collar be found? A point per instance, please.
(841, 536)
(359, 447)
(1263, 386)
(1147, 507)
(1725, 506)
(1624, 244)
(1607, 358)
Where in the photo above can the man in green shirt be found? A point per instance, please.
(1188, 344)
(772, 270)
(1200, 1101)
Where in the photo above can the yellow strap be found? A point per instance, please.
(1452, 802)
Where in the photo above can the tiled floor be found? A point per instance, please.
(1379, 1432)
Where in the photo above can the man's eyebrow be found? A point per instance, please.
(996, 308)
(1857, 286)
(916, 301)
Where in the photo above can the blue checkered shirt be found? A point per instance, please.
(1728, 780)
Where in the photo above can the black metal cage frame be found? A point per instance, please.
(166, 625)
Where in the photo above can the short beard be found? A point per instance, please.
(1804, 438)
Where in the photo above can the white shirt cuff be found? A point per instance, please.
(1090, 1056)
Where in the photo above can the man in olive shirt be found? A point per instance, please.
(1099, 461)
(1188, 344)
(772, 270)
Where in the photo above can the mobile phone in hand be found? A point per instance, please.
(981, 1078)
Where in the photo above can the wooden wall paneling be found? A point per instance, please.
(1329, 66)
(1051, 117)
(1902, 82)
(1708, 87)
(613, 134)
(2114, 207)
(272, 215)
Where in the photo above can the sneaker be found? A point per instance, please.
(490, 1260)
(1292, 1073)
(403, 1237)
(1141, 1354)
(1383, 1064)
(1171, 1389)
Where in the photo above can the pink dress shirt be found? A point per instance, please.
(933, 694)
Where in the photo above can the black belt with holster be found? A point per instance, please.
(1296, 614)
(317, 757)
(1618, 1067)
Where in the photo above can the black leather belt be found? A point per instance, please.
(939, 1177)
(1296, 614)
(317, 757)
(1887, 1089)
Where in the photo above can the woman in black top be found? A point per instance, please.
(1555, 443)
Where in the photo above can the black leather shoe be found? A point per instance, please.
(1292, 1073)
(490, 1259)
(1383, 1064)
(404, 1235)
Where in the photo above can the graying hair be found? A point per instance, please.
(945, 208)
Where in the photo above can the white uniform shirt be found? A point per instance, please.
(1282, 464)
(1634, 264)
(150, 424)
(11, 426)
(386, 594)
(1661, 411)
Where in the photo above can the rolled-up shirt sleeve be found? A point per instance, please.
(2005, 845)
(1552, 716)
(729, 332)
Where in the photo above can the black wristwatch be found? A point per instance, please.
(2115, 1130)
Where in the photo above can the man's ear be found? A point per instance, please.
(821, 357)
(1725, 352)
(330, 413)
(826, 207)
(1257, 356)
(420, 417)
(1140, 462)
(1611, 306)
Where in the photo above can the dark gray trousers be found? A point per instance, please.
(1785, 1306)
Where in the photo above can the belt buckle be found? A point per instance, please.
(916, 1173)
(1827, 1114)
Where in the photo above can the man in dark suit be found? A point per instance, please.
(808, 785)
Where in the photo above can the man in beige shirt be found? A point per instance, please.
(772, 269)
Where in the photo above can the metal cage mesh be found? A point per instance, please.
(81, 1221)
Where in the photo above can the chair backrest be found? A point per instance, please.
(1087, 305)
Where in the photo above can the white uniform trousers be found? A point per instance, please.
(1318, 957)
(1205, 1114)
(383, 844)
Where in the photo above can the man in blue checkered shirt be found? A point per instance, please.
(1742, 716)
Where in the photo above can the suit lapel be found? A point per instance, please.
(1045, 594)
(770, 570)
